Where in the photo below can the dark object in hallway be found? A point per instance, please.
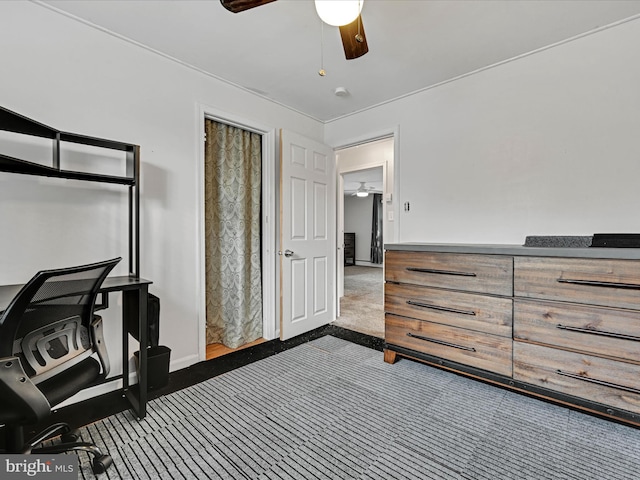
(349, 249)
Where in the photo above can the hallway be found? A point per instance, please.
(362, 307)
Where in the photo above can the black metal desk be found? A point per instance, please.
(134, 292)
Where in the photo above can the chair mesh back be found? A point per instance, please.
(61, 296)
(51, 318)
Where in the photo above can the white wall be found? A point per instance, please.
(546, 144)
(74, 78)
(357, 219)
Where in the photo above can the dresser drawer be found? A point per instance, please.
(601, 331)
(472, 273)
(592, 378)
(465, 310)
(480, 350)
(614, 283)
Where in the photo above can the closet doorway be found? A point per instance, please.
(236, 238)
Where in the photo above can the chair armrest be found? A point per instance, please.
(19, 389)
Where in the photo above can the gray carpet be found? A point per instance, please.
(362, 307)
(330, 409)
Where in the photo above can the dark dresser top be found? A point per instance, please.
(519, 250)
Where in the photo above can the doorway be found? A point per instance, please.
(267, 232)
(233, 236)
(361, 306)
(366, 188)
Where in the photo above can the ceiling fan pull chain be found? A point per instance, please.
(322, 72)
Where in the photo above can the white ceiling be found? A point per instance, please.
(274, 50)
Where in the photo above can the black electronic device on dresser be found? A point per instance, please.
(349, 249)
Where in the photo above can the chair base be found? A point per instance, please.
(14, 443)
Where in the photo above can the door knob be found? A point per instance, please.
(287, 253)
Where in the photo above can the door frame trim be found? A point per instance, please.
(391, 132)
(393, 189)
(269, 221)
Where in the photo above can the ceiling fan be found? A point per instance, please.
(354, 40)
(363, 190)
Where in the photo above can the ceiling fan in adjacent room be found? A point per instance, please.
(363, 190)
(354, 40)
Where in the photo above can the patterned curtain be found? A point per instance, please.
(233, 194)
(376, 230)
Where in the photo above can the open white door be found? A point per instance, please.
(307, 235)
(340, 243)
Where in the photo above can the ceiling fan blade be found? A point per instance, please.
(237, 6)
(354, 41)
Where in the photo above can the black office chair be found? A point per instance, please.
(49, 341)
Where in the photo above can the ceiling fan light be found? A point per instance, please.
(338, 12)
(362, 194)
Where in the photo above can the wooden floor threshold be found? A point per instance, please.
(216, 350)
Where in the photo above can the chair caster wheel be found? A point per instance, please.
(100, 464)
(71, 437)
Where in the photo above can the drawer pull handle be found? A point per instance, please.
(594, 283)
(593, 331)
(440, 272)
(442, 309)
(598, 382)
(441, 342)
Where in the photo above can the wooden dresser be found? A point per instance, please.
(559, 323)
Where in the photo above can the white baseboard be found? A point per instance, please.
(362, 263)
